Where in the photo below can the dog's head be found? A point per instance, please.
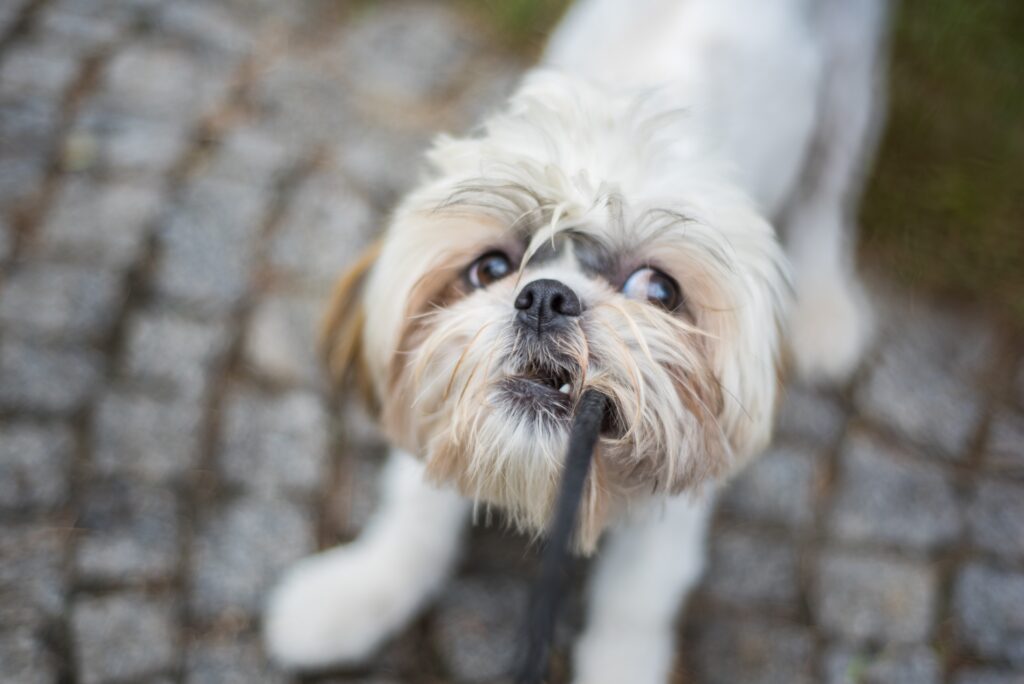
(574, 243)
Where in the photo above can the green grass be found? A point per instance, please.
(944, 210)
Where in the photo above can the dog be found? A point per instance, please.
(611, 228)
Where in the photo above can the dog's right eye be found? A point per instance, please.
(488, 268)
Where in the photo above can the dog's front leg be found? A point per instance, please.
(339, 605)
(642, 577)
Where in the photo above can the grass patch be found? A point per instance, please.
(944, 211)
(944, 208)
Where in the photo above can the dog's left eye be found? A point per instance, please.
(654, 286)
(488, 268)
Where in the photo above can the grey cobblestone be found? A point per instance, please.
(129, 532)
(752, 652)
(164, 347)
(884, 498)
(38, 68)
(241, 547)
(477, 625)
(926, 382)
(893, 666)
(122, 637)
(24, 660)
(85, 26)
(988, 676)
(860, 597)
(252, 156)
(323, 232)
(9, 13)
(155, 81)
(46, 379)
(1005, 449)
(382, 163)
(149, 439)
(208, 245)
(301, 102)
(32, 586)
(6, 240)
(103, 223)
(60, 301)
(115, 143)
(989, 612)
(228, 661)
(280, 343)
(207, 27)
(806, 414)
(409, 53)
(34, 464)
(274, 442)
(777, 487)
(27, 127)
(730, 580)
(996, 517)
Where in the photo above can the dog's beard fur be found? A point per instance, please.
(461, 385)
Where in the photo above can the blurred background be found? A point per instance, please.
(180, 182)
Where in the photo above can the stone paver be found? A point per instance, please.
(240, 548)
(228, 661)
(477, 623)
(23, 659)
(996, 516)
(56, 380)
(864, 597)
(1005, 448)
(149, 438)
(774, 584)
(122, 637)
(926, 384)
(778, 487)
(918, 665)
(989, 611)
(167, 348)
(273, 442)
(882, 497)
(730, 651)
(60, 301)
(129, 532)
(180, 184)
(35, 460)
(105, 223)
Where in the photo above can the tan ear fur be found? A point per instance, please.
(341, 333)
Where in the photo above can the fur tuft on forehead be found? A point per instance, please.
(614, 177)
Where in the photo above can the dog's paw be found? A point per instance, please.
(333, 608)
(636, 654)
(830, 329)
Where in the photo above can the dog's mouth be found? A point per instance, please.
(542, 389)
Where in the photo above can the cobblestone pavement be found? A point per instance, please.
(180, 182)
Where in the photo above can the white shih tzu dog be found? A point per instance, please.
(611, 228)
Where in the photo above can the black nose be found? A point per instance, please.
(545, 304)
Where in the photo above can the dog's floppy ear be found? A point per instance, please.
(341, 334)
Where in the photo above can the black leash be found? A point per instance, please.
(549, 588)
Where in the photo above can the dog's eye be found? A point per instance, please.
(488, 268)
(654, 286)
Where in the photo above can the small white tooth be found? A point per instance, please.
(564, 389)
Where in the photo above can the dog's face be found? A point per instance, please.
(560, 251)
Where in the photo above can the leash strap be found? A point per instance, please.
(548, 589)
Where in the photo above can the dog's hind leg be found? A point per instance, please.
(340, 605)
(831, 324)
(642, 577)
